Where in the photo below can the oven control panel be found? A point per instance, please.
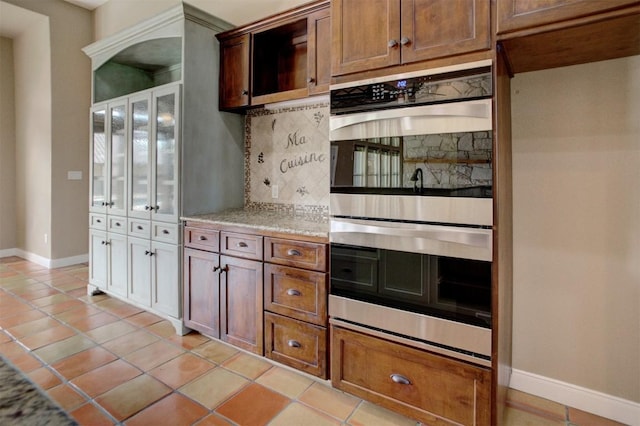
(399, 92)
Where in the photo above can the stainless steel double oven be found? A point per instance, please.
(411, 209)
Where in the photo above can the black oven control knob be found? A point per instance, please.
(400, 379)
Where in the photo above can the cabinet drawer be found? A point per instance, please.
(296, 293)
(203, 239)
(98, 221)
(296, 344)
(241, 245)
(166, 232)
(296, 253)
(117, 224)
(140, 228)
(416, 383)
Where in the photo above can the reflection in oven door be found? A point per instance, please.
(450, 288)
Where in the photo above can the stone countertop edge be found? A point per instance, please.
(267, 221)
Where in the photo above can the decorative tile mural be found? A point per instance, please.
(287, 151)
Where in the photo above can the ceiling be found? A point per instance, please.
(88, 4)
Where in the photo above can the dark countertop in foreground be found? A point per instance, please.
(310, 225)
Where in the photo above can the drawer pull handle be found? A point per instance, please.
(294, 252)
(165, 231)
(293, 292)
(139, 227)
(202, 238)
(117, 223)
(400, 379)
(294, 343)
(242, 244)
(98, 221)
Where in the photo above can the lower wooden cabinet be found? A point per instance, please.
(241, 322)
(296, 343)
(425, 386)
(259, 292)
(201, 288)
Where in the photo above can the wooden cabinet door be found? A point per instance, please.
(431, 388)
(201, 297)
(365, 35)
(241, 296)
(520, 14)
(438, 28)
(234, 72)
(319, 52)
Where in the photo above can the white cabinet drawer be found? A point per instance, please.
(140, 228)
(117, 224)
(98, 221)
(166, 232)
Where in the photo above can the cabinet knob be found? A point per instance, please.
(404, 41)
(311, 80)
(225, 269)
(216, 268)
(147, 207)
(242, 244)
(293, 344)
(293, 292)
(202, 238)
(293, 252)
(98, 220)
(139, 227)
(392, 43)
(118, 224)
(165, 231)
(400, 379)
(244, 92)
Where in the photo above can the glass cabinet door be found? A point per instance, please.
(98, 160)
(139, 200)
(165, 192)
(118, 149)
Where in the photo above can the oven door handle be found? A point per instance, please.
(454, 241)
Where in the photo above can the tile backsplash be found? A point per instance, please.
(287, 152)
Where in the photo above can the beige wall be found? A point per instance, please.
(52, 92)
(576, 172)
(32, 58)
(7, 147)
(116, 15)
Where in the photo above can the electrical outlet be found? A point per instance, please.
(274, 191)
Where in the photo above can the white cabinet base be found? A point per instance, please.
(175, 322)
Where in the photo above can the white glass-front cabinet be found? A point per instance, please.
(159, 147)
(155, 145)
(109, 158)
(135, 232)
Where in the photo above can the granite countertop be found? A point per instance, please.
(310, 225)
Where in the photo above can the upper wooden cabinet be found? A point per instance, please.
(520, 14)
(234, 72)
(282, 57)
(373, 34)
(556, 33)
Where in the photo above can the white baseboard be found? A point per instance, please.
(43, 261)
(8, 252)
(601, 404)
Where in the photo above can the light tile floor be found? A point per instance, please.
(107, 362)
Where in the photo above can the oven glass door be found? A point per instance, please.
(422, 150)
(445, 287)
